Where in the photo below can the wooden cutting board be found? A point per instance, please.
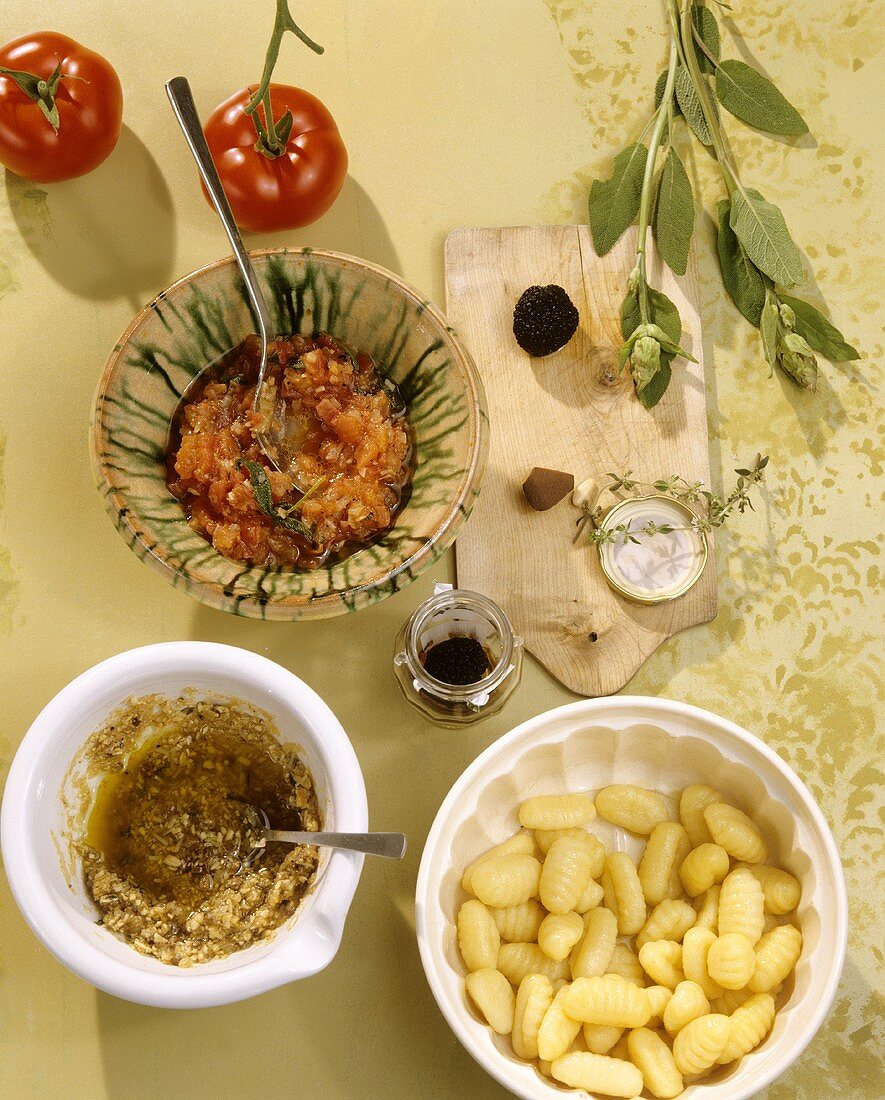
(571, 411)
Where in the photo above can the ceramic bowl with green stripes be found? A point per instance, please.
(205, 314)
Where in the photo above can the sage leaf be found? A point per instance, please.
(818, 332)
(690, 105)
(654, 391)
(743, 280)
(707, 30)
(761, 229)
(292, 524)
(663, 313)
(261, 487)
(744, 92)
(768, 328)
(264, 499)
(614, 203)
(660, 86)
(673, 217)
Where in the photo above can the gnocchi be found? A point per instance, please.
(742, 905)
(692, 803)
(519, 844)
(750, 1023)
(731, 960)
(610, 1000)
(687, 1003)
(781, 890)
(631, 807)
(695, 948)
(517, 960)
(698, 917)
(558, 1028)
(594, 952)
(737, 833)
(565, 874)
(776, 955)
(556, 811)
(667, 847)
(558, 934)
(662, 961)
(507, 880)
(600, 1038)
(493, 996)
(703, 867)
(519, 923)
(655, 1061)
(627, 893)
(478, 936)
(669, 920)
(699, 1044)
(533, 998)
(598, 1073)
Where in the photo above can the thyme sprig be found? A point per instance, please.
(710, 509)
(758, 257)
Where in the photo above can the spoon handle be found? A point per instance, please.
(179, 92)
(388, 845)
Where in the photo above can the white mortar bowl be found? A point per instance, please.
(56, 904)
(666, 746)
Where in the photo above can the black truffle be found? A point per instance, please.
(544, 320)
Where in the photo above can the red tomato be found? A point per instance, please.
(90, 109)
(285, 192)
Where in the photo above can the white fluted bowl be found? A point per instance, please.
(665, 746)
(52, 896)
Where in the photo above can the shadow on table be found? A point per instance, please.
(108, 234)
(353, 225)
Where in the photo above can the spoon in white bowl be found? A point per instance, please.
(279, 439)
(387, 845)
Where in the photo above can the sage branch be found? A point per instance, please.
(758, 258)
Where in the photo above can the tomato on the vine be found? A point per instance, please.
(61, 107)
(282, 178)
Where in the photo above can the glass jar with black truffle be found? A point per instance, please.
(457, 659)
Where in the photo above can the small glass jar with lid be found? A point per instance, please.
(457, 635)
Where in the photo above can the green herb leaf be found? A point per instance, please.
(743, 280)
(761, 229)
(795, 357)
(707, 30)
(663, 313)
(291, 523)
(818, 332)
(654, 391)
(768, 327)
(673, 217)
(748, 95)
(660, 85)
(264, 498)
(690, 104)
(614, 203)
(261, 487)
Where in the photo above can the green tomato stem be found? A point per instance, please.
(647, 180)
(41, 91)
(268, 140)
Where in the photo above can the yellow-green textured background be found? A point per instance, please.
(455, 113)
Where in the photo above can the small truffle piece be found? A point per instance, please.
(544, 320)
(543, 488)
